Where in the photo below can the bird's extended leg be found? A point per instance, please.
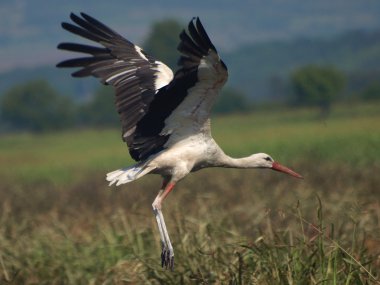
(167, 254)
(158, 219)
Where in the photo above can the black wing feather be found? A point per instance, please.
(94, 30)
(81, 61)
(205, 38)
(198, 38)
(98, 24)
(188, 47)
(83, 48)
(79, 31)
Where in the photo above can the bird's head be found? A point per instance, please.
(263, 160)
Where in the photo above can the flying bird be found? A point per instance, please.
(165, 116)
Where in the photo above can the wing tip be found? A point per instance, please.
(73, 16)
(87, 17)
(65, 25)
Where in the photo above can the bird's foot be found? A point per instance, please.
(167, 258)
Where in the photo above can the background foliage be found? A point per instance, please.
(163, 40)
(36, 106)
(318, 86)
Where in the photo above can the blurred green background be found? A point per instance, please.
(304, 86)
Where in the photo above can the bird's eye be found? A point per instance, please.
(267, 158)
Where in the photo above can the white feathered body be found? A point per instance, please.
(191, 153)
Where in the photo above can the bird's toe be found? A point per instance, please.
(171, 263)
(163, 257)
(167, 259)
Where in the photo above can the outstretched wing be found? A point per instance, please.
(182, 108)
(156, 109)
(136, 76)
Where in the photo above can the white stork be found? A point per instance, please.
(165, 118)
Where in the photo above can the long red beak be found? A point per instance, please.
(278, 167)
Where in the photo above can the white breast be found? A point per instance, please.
(185, 155)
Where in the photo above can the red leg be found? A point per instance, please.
(168, 189)
(165, 190)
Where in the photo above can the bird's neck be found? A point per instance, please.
(243, 162)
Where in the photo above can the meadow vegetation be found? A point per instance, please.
(62, 224)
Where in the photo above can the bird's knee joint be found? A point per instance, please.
(156, 205)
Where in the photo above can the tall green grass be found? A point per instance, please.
(62, 224)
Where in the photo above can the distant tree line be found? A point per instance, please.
(37, 106)
(317, 86)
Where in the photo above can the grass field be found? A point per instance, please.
(62, 224)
